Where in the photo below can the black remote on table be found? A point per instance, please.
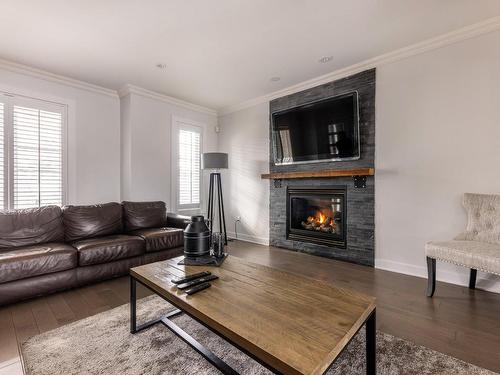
(197, 288)
(193, 276)
(191, 283)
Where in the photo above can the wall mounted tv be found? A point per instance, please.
(324, 130)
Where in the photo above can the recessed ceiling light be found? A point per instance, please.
(275, 79)
(161, 66)
(325, 59)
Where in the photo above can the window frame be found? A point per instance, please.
(179, 123)
(11, 99)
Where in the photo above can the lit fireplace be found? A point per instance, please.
(320, 222)
(316, 215)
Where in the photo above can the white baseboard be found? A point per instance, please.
(249, 238)
(490, 283)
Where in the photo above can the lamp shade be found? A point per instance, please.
(214, 160)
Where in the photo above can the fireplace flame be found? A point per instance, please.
(320, 222)
(321, 218)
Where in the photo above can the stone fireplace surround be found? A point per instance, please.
(360, 202)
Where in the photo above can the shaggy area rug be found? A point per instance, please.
(102, 344)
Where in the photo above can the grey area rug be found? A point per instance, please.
(102, 344)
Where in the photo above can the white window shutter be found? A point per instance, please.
(37, 163)
(189, 167)
(26, 156)
(51, 163)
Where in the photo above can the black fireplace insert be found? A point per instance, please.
(317, 215)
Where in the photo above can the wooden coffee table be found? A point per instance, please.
(289, 323)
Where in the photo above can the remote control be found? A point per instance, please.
(193, 276)
(191, 283)
(197, 288)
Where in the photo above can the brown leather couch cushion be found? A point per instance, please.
(30, 226)
(161, 238)
(96, 272)
(82, 222)
(22, 262)
(177, 221)
(107, 249)
(17, 290)
(141, 215)
(158, 256)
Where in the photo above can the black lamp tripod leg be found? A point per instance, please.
(221, 207)
(215, 183)
(210, 201)
(218, 203)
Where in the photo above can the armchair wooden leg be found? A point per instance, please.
(472, 279)
(431, 279)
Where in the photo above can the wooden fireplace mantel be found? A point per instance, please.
(319, 174)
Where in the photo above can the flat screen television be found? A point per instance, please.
(325, 130)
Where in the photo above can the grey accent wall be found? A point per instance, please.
(360, 201)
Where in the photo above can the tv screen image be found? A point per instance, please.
(321, 131)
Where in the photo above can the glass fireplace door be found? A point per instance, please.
(316, 215)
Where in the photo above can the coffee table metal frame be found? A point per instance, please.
(210, 356)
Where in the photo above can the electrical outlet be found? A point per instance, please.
(237, 218)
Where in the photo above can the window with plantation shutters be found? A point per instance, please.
(189, 167)
(186, 177)
(33, 145)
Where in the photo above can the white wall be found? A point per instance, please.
(245, 136)
(437, 136)
(93, 135)
(126, 145)
(146, 151)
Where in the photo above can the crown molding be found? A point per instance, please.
(56, 78)
(131, 89)
(468, 32)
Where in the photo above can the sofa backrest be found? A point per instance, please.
(141, 215)
(82, 222)
(483, 218)
(31, 226)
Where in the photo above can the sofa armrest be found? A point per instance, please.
(177, 221)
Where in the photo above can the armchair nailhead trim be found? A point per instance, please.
(463, 265)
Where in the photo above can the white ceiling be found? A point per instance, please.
(218, 52)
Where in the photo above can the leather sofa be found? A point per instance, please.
(48, 249)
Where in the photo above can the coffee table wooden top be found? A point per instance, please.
(295, 324)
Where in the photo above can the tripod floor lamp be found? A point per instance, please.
(215, 161)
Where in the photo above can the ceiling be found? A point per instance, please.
(222, 52)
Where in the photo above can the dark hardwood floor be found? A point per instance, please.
(457, 321)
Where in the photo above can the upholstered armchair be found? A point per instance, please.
(478, 248)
